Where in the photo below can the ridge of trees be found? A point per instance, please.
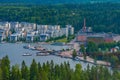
(51, 71)
(102, 17)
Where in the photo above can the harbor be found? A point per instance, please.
(15, 52)
(65, 53)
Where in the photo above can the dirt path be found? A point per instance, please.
(91, 60)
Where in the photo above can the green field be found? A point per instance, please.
(62, 40)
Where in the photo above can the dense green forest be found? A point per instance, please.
(102, 17)
(56, 1)
(51, 71)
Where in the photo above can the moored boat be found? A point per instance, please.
(27, 54)
(42, 54)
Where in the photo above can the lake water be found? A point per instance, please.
(15, 52)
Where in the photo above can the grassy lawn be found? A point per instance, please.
(62, 40)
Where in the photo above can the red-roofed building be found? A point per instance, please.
(81, 38)
(108, 39)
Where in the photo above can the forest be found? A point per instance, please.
(56, 1)
(102, 17)
(51, 71)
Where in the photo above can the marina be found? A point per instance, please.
(67, 53)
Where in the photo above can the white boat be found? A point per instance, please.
(27, 54)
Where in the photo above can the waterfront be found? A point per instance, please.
(15, 52)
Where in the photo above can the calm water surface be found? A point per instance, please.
(15, 52)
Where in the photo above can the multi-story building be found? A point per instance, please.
(44, 37)
(15, 37)
(69, 30)
(2, 34)
(27, 30)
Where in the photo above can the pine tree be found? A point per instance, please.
(34, 70)
(15, 73)
(5, 67)
(25, 71)
(1, 74)
(78, 72)
(74, 54)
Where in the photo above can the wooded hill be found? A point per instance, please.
(102, 17)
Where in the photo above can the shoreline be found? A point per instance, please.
(68, 54)
(88, 60)
(103, 63)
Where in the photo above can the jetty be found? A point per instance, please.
(42, 54)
